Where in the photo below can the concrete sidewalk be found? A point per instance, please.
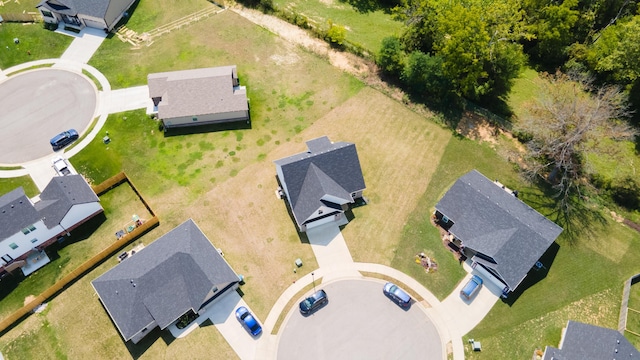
(331, 251)
(84, 45)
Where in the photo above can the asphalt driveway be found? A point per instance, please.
(36, 105)
(359, 322)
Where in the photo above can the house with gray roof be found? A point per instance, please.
(99, 14)
(28, 226)
(503, 236)
(198, 97)
(321, 183)
(581, 341)
(179, 273)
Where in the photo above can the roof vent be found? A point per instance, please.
(319, 211)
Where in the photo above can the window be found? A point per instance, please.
(26, 231)
(445, 219)
(32, 228)
(33, 241)
(47, 13)
(194, 118)
(13, 246)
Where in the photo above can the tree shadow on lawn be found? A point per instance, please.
(578, 220)
(535, 275)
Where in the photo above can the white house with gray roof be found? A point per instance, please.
(28, 226)
(503, 236)
(179, 273)
(99, 14)
(321, 183)
(581, 341)
(198, 97)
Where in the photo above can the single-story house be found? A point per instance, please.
(321, 183)
(99, 14)
(28, 226)
(198, 96)
(180, 273)
(589, 342)
(503, 236)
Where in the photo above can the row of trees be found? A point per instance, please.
(474, 49)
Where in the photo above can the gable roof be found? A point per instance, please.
(589, 342)
(16, 213)
(495, 223)
(62, 192)
(320, 180)
(163, 281)
(109, 10)
(197, 92)
(60, 195)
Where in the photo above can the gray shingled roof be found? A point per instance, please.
(197, 92)
(16, 213)
(497, 224)
(171, 275)
(96, 8)
(321, 178)
(590, 342)
(60, 195)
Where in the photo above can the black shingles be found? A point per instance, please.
(173, 274)
(328, 171)
(497, 224)
(588, 342)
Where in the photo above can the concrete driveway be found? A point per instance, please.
(359, 322)
(37, 105)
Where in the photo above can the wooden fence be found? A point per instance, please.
(88, 265)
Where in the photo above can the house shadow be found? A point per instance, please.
(82, 232)
(138, 350)
(203, 129)
(536, 274)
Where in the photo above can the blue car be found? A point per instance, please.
(248, 321)
(63, 139)
(471, 288)
(399, 296)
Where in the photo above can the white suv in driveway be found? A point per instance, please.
(60, 166)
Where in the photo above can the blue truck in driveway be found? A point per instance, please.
(471, 288)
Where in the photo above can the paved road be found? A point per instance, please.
(37, 105)
(359, 322)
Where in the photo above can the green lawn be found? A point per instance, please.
(367, 27)
(150, 14)
(13, 6)
(39, 42)
(9, 184)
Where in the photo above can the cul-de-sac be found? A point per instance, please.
(319, 179)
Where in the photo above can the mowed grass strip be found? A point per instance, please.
(10, 184)
(35, 43)
(97, 234)
(147, 15)
(366, 22)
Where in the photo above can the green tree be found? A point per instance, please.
(617, 51)
(425, 78)
(391, 57)
(336, 33)
(553, 26)
(476, 40)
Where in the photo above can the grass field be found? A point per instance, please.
(9, 184)
(147, 15)
(225, 181)
(35, 43)
(366, 23)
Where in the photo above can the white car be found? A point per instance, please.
(60, 166)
